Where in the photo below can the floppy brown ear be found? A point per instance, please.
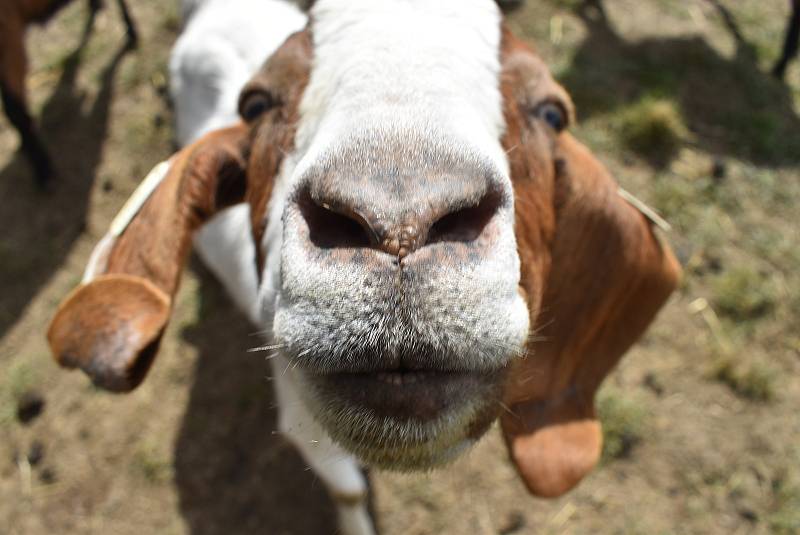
(609, 276)
(111, 325)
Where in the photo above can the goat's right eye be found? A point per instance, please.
(553, 114)
(254, 104)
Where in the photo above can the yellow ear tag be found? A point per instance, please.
(97, 261)
(139, 197)
(646, 211)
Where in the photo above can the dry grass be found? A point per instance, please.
(756, 382)
(784, 518)
(624, 423)
(743, 294)
(194, 450)
(654, 128)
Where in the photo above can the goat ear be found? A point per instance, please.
(608, 278)
(111, 325)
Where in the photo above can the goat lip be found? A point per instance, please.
(406, 395)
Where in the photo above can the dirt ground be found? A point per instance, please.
(702, 417)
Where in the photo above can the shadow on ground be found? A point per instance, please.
(37, 230)
(234, 474)
(730, 105)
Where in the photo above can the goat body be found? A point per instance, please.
(222, 44)
(15, 16)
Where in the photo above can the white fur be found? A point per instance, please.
(336, 467)
(380, 66)
(224, 43)
(425, 61)
(411, 78)
(401, 66)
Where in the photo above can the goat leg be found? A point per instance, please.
(790, 45)
(32, 145)
(133, 36)
(13, 68)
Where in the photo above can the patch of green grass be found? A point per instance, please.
(775, 246)
(755, 382)
(682, 199)
(670, 197)
(770, 187)
(623, 423)
(151, 464)
(653, 128)
(784, 519)
(743, 294)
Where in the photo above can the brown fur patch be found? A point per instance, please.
(158, 239)
(594, 273)
(110, 328)
(284, 76)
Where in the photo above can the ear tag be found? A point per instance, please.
(646, 211)
(139, 197)
(97, 261)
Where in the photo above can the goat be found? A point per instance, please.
(427, 245)
(222, 44)
(15, 17)
(791, 41)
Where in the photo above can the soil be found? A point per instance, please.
(195, 449)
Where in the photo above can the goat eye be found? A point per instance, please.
(553, 114)
(255, 104)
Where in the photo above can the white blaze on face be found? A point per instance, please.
(404, 94)
(416, 64)
(429, 67)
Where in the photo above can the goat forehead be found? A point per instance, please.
(397, 146)
(413, 168)
(411, 64)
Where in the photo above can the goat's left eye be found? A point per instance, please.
(553, 114)
(254, 104)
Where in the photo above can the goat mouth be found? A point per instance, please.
(407, 395)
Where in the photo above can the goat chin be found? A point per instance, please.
(409, 443)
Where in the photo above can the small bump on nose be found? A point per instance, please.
(402, 242)
(391, 246)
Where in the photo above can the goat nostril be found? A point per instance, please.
(329, 227)
(466, 224)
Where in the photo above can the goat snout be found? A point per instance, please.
(363, 224)
(399, 215)
(379, 253)
(398, 301)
